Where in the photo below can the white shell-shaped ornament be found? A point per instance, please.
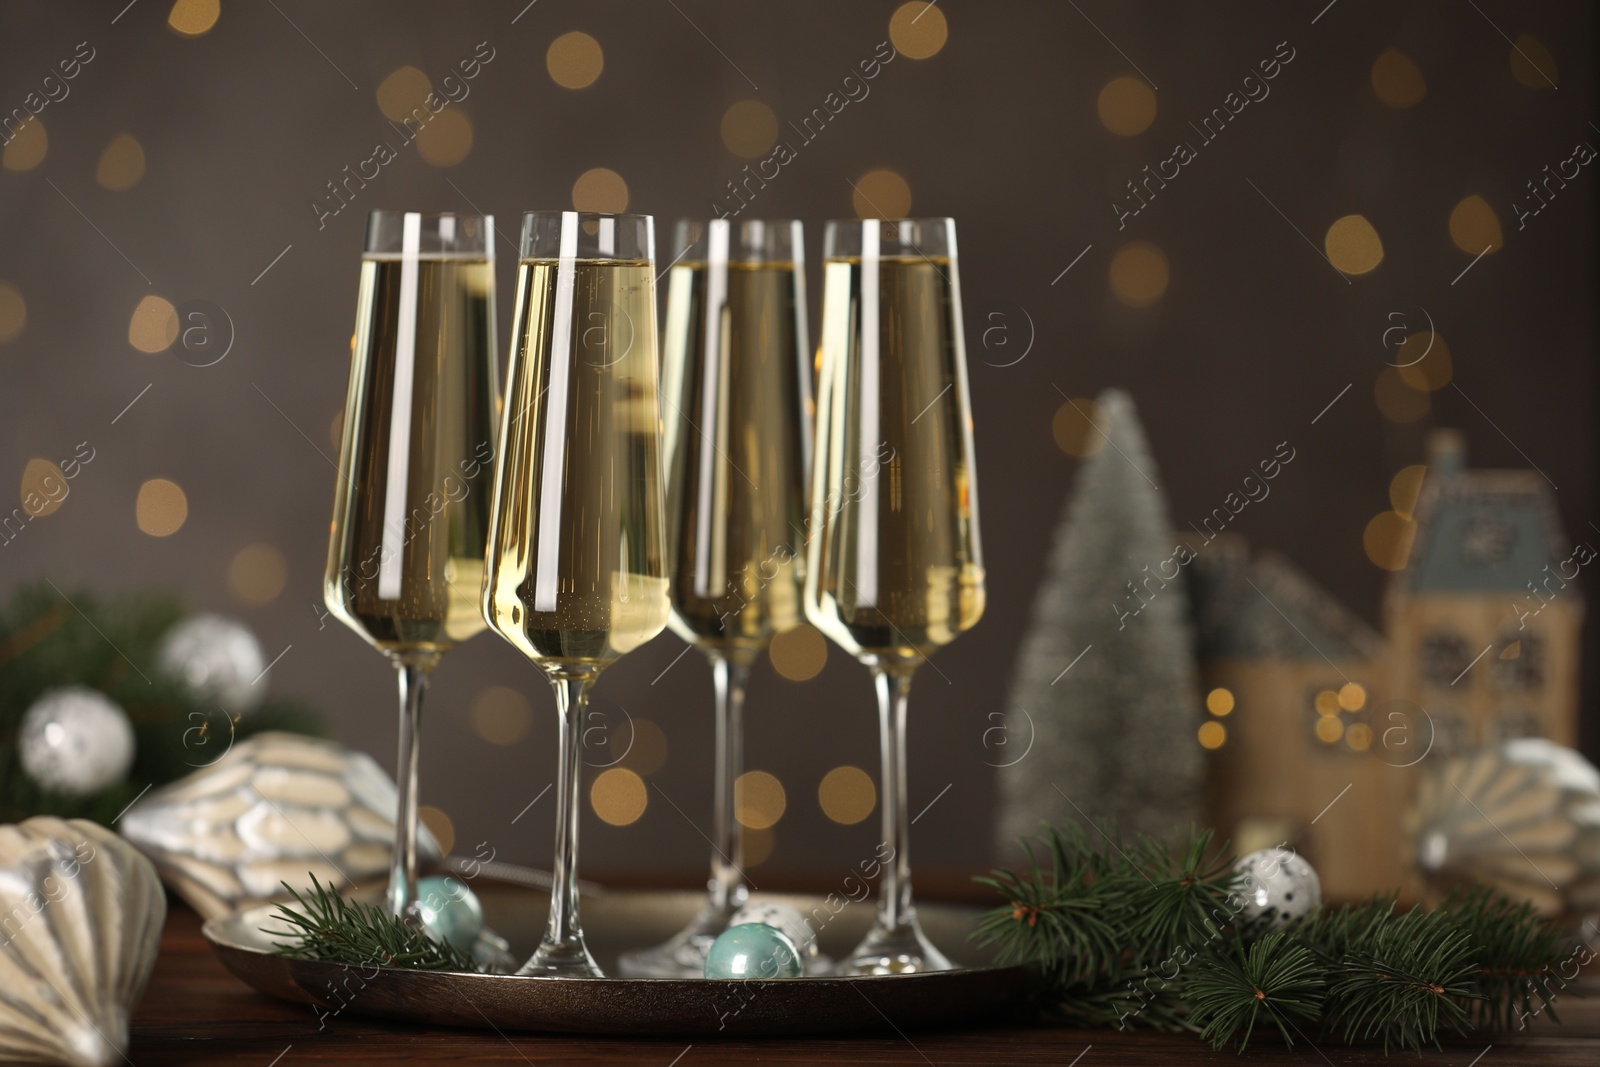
(1522, 816)
(80, 922)
(276, 808)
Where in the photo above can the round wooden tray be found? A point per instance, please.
(615, 922)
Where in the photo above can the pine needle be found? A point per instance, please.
(331, 929)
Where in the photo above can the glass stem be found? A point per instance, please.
(894, 891)
(563, 932)
(731, 675)
(413, 674)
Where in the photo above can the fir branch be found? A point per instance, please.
(1233, 989)
(1408, 979)
(331, 929)
(1520, 957)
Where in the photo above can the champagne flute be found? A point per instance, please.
(576, 568)
(894, 568)
(736, 379)
(411, 510)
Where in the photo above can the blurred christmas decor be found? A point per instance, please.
(278, 808)
(1107, 673)
(1276, 887)
(219, 658)
(1522, 816)
(1147, 934)
(83, 913)
(1328, 725)
(82, 666)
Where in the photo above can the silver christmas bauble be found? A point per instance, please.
(1278, 886)
(219, 658)
(76, 740)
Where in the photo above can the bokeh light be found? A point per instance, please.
(1424, 361)
(439, 825)
(44, 488)
(881, 194)
(1352, 696)
(1353, 246)
(1397, 80)
(1474, 227)
(618, 796)
(749, 129)
(847, 795)
(258, 574)
(758, 800)
(799, 654)
(1127, 106)
(756, 846)
(918, 30)
(1139, 274)
(501, 715)
(1532, 64)
(1397, 400)
(27, 147)
(643, 750)
(403, 92)
(121, 164)
(1327, 702)
(1079, 427)
(1358, 736)
(446, 139)
(600, 189)
(1405, 487)
(161, 507)
(13, 312)
(1329, 729)
(153, 326)
(1219, 701)
(192, 18)
(1388, 538)
(574, 60)
(1212, 734)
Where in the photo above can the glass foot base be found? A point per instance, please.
(684, 954)
(563, 961)
(903, 950)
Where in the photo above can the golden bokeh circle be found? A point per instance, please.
(1532, 64)
(1397, 400)
(1212, 734)
(13, 312)
(501, 715)
(574, 60)
(881, 194)
(1327, 702)
(643, 749)
(847, 795)
(1352, 696)
(749, 129)
(1329, 729)
(1139, 274)
(1405, 487)
(1397, 80)
(153, 326)
(1127, 106)
(799, 654)
(446, 139)
(192, 18)
(1219, 701)
(1474, 227)
(1424, 361)
(618, 796)
(600, 189)
(1387, 539)
(918, 30)
(1358, 736)
(758, 800)
(1353, 245)
(258, 574)
(1079, 427)
(161, 507)
(403, 92)
(439, 825)
(44, 488)
(755, 846)
(121, 164)
(27, 147)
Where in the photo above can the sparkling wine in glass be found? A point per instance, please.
(577, 562)
(894, 566)
(736, 382)
(416, 467)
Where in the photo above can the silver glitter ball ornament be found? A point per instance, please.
(1278, 886)
(219, 658)
(76, 740)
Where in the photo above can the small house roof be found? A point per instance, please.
(1484, 532)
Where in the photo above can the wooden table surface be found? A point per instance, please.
(195, 1012)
